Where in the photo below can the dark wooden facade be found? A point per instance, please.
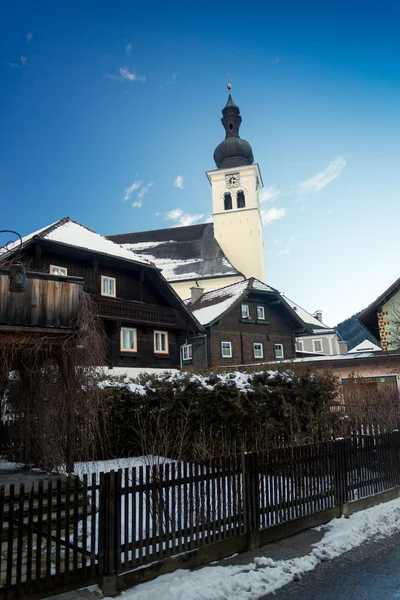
(49, 302)
(143, 301)
(279, 327)
(244, 333)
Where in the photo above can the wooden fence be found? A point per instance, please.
(73, 531)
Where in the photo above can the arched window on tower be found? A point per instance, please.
(227, 201)
(241, 202)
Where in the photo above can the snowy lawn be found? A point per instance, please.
(263, 575)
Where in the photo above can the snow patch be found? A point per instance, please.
(264, 575)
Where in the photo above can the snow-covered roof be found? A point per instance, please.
(182, 253)
(211, 305)
(71, 233)
(305, 316)
(329, 357)
(365, 346)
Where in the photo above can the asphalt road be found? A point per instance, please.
(371, 572)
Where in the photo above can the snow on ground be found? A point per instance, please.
(105, 466)
(6, 465)
(263, 575)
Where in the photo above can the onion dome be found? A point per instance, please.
(233, 151)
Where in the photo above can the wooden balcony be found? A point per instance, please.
(137, 312)
(50, 303)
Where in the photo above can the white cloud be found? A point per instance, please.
(132, 188)
(178, 182)
(128, 48)
(125, 74)
(29, 36)
(145, 189)
(273, 214)
(141, 188)
(269, 194)
(22, 62)
(181, 218)
(321, 179)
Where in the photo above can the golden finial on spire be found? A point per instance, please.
(229, 86)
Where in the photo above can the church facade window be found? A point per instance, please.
(241, 202)
(227, 201)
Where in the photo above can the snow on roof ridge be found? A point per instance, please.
(310, 319)
(56, 232)
(365, 346)
(227, 296)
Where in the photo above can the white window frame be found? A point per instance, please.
(300, 345)
(322, 347)
(229, 349)
(261, 355)
(106, 278)
(121, 339)
(278, 351)
(157, 333)
(187, 349)
(262, 309)
(247, 307)
(53, 267)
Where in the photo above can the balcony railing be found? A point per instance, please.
(127, 310)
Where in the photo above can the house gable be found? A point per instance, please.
(131, 296)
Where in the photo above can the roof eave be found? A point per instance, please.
(128, 261)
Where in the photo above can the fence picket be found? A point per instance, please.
(84, 525)
(2, 503)
(20, 535)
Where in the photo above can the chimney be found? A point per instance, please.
(196, 293)
(318, 315)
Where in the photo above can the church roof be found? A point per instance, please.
(233, 151)
(182, 253)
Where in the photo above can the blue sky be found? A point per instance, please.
(110, 113)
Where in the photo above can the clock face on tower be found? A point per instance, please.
(232, 180)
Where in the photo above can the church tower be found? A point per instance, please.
(236, 182)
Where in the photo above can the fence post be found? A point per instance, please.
(110, 528)
(340, 474)
(251, 499)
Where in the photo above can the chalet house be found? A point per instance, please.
(144, 319)
(245, 323)
(323, 340)
(382, 318)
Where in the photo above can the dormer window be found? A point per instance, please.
(227, 201)
(241, 202)
(245, 311)
(261, 313)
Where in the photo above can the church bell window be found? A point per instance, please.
(241, 202)
(227, 201)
